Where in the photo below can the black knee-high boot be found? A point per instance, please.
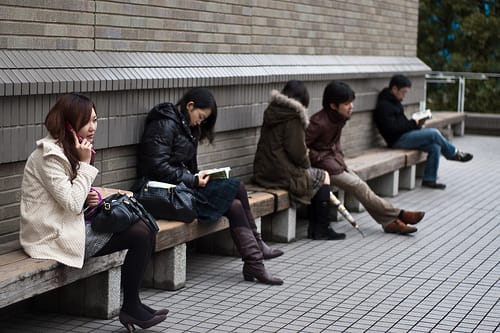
(320, 209)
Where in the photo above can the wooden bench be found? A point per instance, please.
(389, 170)
(167, 269)
(93, 290)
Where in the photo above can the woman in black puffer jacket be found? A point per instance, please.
(167, 153)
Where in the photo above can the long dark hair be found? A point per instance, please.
(202, 99)
(73, 109)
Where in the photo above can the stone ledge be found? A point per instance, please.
(52, 72)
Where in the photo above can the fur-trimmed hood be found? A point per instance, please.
(283, 108)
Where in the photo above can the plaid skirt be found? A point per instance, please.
(317, 177)
(216, 198)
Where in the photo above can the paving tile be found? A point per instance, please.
(444, 278)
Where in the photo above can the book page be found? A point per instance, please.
(217, 173)
(422, 115)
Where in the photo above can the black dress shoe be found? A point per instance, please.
(462, 157)
(433, 185)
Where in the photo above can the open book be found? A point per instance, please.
(424, 114)
(217, 173)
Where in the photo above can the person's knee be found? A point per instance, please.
(141, 232)
(435, 134)
(327, 179)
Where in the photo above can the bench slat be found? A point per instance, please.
(30, 277)
(443, 118)
(174, 233)
(377, 162)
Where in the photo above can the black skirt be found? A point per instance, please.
(216, 198)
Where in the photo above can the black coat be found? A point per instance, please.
(167, 152)
(390, 118)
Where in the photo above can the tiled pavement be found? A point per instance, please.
(444, 278)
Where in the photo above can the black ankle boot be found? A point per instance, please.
(320, 205)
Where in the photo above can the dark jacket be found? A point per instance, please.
(281, 158)
(390, 118)
(323, 140)
(167, 152)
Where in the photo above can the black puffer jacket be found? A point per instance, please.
(167, 152)
(390, 118)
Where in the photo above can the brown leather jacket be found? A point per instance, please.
(323, 140)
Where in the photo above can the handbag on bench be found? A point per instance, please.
(167, 201)
(117, 212)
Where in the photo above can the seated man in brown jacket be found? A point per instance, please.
(325, 152)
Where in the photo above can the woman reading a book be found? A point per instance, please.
(168, 153)
(281, 159)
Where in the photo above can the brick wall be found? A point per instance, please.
(369, 27)
(157, 49)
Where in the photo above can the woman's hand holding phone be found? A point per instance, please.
(83, 148)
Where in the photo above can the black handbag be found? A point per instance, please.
(117, 212)
(176, 203)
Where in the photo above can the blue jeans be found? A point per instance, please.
(433, 143)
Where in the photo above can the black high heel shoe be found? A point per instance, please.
(129, 321)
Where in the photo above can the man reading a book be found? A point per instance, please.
(401, 132)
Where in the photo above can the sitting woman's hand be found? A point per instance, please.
(203, 179)
(92, 199)
(83, 148)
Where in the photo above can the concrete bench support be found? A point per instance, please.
(97, 296)
(167, 269)
(407, 177)
(386, 185)
(419, 172)
(352, 204)
(458, 129)
(281, 226)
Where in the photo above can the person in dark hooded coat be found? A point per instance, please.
(281, 160)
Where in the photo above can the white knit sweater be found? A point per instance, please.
(52, 223)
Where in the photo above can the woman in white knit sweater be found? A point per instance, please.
(56, 186)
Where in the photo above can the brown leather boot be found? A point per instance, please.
(410, 217)
(267, 251)
(252, 256)
(398, 227)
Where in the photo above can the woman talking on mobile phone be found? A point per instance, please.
(56, 186)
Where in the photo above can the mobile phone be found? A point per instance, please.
(80, 139)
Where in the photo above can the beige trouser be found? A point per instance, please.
(380, 209)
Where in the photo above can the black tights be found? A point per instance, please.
(138, 239)
(239, 209)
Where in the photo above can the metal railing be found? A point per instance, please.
(452, 77)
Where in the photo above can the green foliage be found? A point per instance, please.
(461, 36)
